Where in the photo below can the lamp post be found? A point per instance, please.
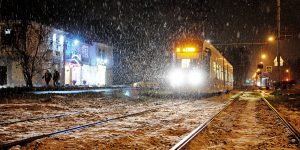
(278, 39)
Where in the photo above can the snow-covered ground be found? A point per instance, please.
(246, 124)
(168, 122)
(288, 106)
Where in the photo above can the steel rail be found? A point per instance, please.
(286, 123)
(41, 118)
(72, 129)
(201, 127)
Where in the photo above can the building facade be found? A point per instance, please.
(78, 61)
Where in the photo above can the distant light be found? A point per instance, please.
(7, 31)
(76, 42)
(263, 56)
(287, 79)
(61, 40)
(287, 70)
(261, 62)
(177, 49)
(247, 81)
(127, 93)
(258, 83)
(54, 37)
(208, 41)
(105, 61)
(271, 38)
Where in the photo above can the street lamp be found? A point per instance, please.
(271, 39)
(288, 74)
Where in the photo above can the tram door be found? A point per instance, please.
(206, 59)
(3, 75)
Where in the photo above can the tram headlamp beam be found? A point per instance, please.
(196, 77)
(176, 77)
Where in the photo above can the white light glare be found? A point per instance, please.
(61, 40)
(196, 77)
(76, 42)
(105, 61)
(54, 37)
(7, 31)
(176, 77)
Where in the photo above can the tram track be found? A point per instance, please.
(201, 127)
(67, 130)
(43, 117)
(38, 118)
(87, 125)
(192, 136)
(285, 122)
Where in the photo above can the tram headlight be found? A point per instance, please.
(196, 77)
(176, 77)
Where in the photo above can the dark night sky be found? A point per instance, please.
(141, 30)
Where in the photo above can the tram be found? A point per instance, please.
(198, 65)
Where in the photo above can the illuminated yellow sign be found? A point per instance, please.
(187, 55)
(187, 49)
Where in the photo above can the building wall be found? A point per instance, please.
(60, 49)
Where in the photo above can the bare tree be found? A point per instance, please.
(29, 48)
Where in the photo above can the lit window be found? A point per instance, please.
(54, 38)
(215, 68)
(61, 40)
(185, 63)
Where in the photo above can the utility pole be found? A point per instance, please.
(278, 39)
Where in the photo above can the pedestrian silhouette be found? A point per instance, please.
(55, 78)
(47, 76)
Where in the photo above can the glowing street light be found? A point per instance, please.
(76, 42)
(271, 39)
(263, 56)
(287, 71)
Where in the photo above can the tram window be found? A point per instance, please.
(215, 68)
(222, 73)
(226, 75)
(185, 63)
(218, 72)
